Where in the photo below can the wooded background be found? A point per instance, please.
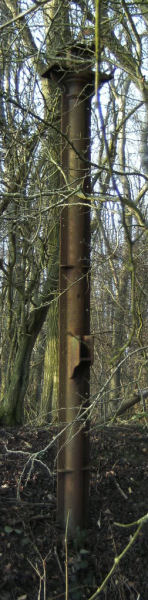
(31, 200)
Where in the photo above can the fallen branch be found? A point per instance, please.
(126, 404)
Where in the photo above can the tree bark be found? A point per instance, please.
(12, 405)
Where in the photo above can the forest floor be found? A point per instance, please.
(32, 550)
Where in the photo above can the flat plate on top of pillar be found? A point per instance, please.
(79, 57)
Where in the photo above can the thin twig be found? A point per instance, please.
(59, 564)
(66, 558)
(117, 559)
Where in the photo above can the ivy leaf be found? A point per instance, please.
(19, 531)
(8, 529)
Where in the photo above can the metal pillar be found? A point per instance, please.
(75, 343)
(74, 314)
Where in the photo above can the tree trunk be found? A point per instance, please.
(12, 405)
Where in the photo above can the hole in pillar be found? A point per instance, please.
(82, 366)
(80, 369)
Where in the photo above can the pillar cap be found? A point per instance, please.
(78, 59)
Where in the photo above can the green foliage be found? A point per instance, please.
(8, 529)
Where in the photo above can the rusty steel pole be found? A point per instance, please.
(75, 353)
(75, 342)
